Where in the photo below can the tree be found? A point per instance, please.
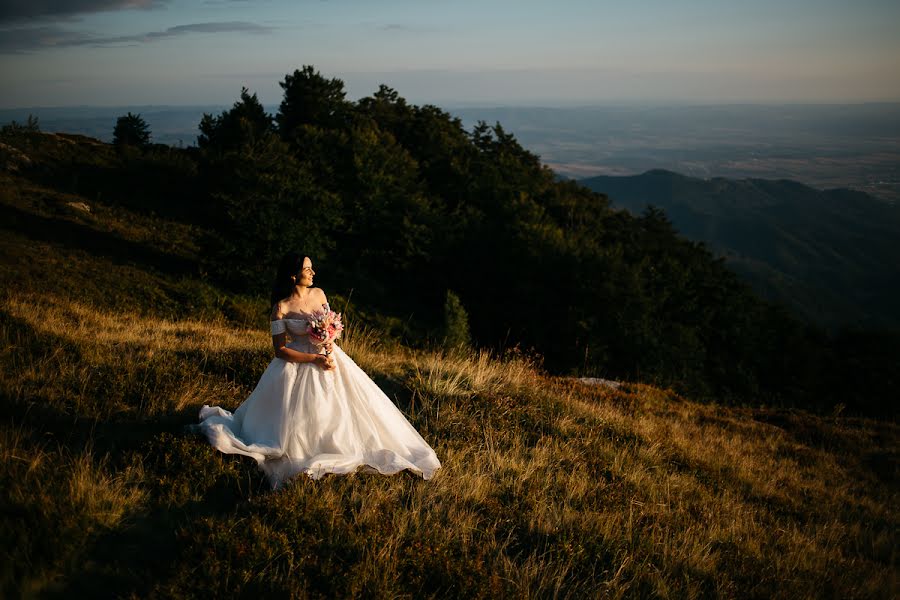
(246, 123)
(393, 215)
(131, 130)
(388, 109)
(311, 99)
(261, 199)
(262, 203)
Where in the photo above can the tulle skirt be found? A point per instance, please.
(303, 419)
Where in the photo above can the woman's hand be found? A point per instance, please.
(326, 362)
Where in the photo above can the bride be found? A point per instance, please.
(312, 412)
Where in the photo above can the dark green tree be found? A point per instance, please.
(311, 99)
(385, 191)
(388, 109)
(261, 200)
(131, 130)
(244, 124)
(264, 203)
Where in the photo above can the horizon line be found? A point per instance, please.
(496, 104)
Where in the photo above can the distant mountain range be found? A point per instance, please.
(831, 255)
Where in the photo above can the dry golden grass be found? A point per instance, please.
(102, 363)
(372, 353)
(463, 375)
(80, 323)
(549, 488)
(711, 482)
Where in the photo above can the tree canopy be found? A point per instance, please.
(131, 130)
(246, 123)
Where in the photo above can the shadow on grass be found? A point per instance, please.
(76, 236)
(145, 551)
(184, 478)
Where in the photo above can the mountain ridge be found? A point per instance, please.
(835, 245)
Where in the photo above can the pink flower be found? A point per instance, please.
(324, 326)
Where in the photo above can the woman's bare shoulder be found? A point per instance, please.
(277, 311)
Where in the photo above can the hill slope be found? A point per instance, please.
(112, 340)
(831, 255)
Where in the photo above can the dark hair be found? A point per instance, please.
(290, 266)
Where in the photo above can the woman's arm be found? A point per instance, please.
(279, 341)
(291, 355)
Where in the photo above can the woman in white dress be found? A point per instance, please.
(312, 412)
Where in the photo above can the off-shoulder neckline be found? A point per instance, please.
(300, 312)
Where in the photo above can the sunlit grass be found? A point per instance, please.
(82, 323)
(372, 353)
(98, 363)
(462, 375)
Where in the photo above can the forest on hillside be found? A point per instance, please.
(400, 207)
(830, 255)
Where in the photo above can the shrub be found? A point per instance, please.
(456, 324)
(131, 130)
(13, 127)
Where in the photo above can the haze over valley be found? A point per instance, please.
(824, 146)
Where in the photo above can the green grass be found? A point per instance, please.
(110, 341)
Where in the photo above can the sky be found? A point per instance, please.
(451, 53)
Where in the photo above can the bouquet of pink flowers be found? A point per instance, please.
(324, 326)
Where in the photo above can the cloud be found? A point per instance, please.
(178, 30)
(402, 28)
(17, 41)
(22, 10)
(21, 40)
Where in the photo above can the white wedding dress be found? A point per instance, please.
(304, 419)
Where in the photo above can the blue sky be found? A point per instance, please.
(182, 52)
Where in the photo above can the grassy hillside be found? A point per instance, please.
(112, 340)
(830, 255)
